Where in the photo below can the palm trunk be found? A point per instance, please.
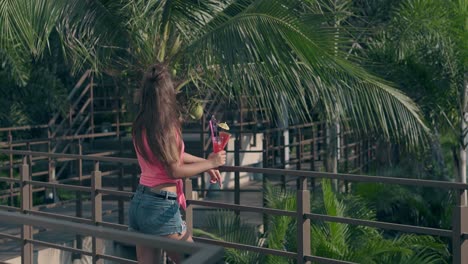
(464, 137)
(332, 144)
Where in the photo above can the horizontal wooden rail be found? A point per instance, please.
(117, 259)
(11, 237)
(243, 208)
(12, 180)
(60, 216)
(351, 177)
(70, 156)
(316, 259)
(116, 193)
(60, 186)
(201, 253)
(6, 129)
(261, 250)
(383, 225)
(10, 208)
(60, 247)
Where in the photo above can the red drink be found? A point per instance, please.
(220, 142)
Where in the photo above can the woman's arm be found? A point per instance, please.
(214, 173)
(189, 158)
(188, 170)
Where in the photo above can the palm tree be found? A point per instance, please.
(29, 29)
(229, 227)
(345, 242)
(332, 240)
(427, 39)
(259, 48)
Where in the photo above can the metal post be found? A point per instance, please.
(50, 162)
(10, 147)
(282, 148)
(26, 230)
(346, 161)
(91, 96)
(78, 201)
(237, 147)
(117, 110)
(189, 209)
(313, 156)
(319, 142)
(460, 226)
(312, 149)
(96, 198)
(264, 182)
(299, 149)
(203, 141)
(303, 224)
(120, 200)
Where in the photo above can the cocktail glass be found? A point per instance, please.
(220, 142)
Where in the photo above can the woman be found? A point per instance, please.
(157, 138)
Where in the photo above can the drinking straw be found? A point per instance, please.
(211, 128)
(213, 138)
(214, 125)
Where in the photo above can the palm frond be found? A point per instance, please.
(282, 230)
(267, 50)
(91, 35)
(82, 26)
(227, 226)
(25, 27)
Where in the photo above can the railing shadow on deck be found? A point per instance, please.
(458, 234)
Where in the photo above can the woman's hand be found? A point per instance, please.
(217, 159)
(215, 176)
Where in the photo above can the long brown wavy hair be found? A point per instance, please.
(158, 118)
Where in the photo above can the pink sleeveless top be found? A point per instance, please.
(153, 173)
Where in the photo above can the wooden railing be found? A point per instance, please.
(199, 253)
(458, 233)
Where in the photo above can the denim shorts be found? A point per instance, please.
(150, 214)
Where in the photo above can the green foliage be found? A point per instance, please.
(227, 226)
(259, 48)
(405, 205)
(363, 244)
(281, 229)
(27, 27)
(328, 239)
(423, 48)
(34, 103)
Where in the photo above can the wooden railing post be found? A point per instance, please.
(460, 226)
(96, 198)
(189, 209)
(26, 199)
(303, 223)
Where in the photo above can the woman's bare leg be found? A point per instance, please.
(185, 236)
(148, 255)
